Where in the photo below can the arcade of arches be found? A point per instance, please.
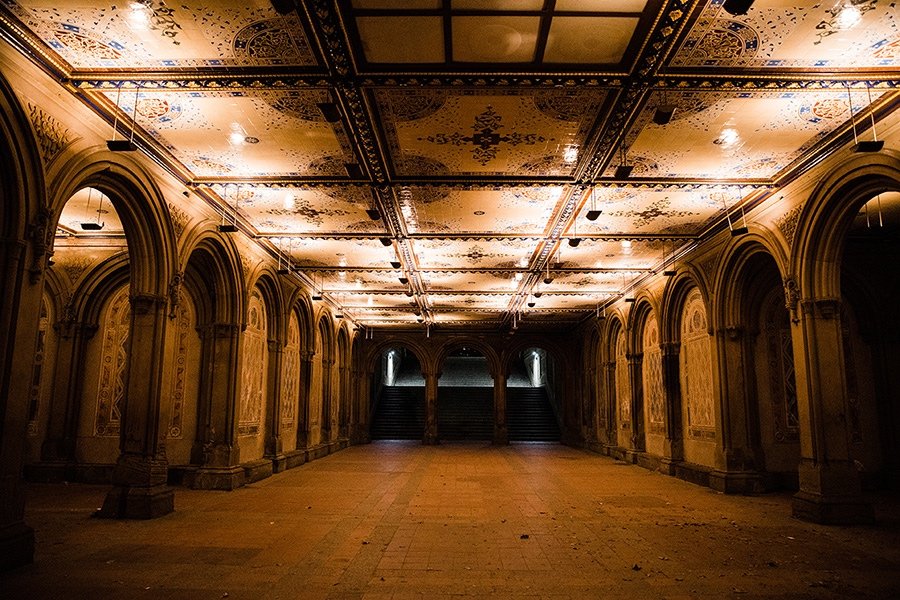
(170, 354)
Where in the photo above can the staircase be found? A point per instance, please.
(465, 413)
(399, 414)
(529, 416)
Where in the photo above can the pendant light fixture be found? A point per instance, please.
(668, 272)
(593, 213)
(873, 145)
(90, 225)
(224, 226)
(123, 145)
(623, 171)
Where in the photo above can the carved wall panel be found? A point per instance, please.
(780, 359)
(623, 385)
(184, 324)
(115, 326)
(40, 371)
(696, 367)
(290, 379)
(654, 397)
(253, 371)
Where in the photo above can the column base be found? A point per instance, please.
(16, 546)
(737, 482)
(501, 436)
(137, 502)
(256, 470)
(430, 440)
(832, 510)
(216, 478)
(279, 462)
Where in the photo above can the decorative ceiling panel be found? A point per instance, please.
(495, 302)
(375, 301)
(591, 283)
(155, 34)
(469, 281)
(242, 133)
(726, 135)
(519, 211)
(597, 40)
(276, 210)
(652, 210)
(358, 281)
(338, 252)
(494, 39)
(407, 40)
(445, 132)
(777, 34)
(614, 254)
(483, 253)
(577, 301)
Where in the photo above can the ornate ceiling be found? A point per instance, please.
(435, 161)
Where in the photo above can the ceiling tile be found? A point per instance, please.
(442, 132)
(184, 34)
(493, 253)
(779, 34)
(402, 39)
(589, 40)
(632, 6)
(494, 39)
(322, 210)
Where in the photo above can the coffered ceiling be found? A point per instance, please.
(439, 161)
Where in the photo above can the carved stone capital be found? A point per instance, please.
(143, 304)
(821, 308)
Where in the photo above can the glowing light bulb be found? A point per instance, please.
(289, 202)
(138, 16)
(729, 137)
(571, 154)
(236, 138)
(848, 17)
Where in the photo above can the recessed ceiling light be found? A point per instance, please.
(236, 138)
(289, 202)
(571, 154)
(729, 137)
(138, 16)
(848, 17)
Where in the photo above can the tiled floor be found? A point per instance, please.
(401, 520)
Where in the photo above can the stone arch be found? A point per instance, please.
(211, 267)
(826, 217)
(141, 207)
(758, 401)
(646, 379)
(674, 295)
(452, 345)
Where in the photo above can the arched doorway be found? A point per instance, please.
(532, 397)
(398, 396)
(465, 399)
(870, 336)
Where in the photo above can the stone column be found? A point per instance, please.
(139, 479)
(19, 309)
(327, 402)
(830, 490)
(609, 405)
(671, 376)
(306, 369)
(362, 392)
(344, 402)
(735, 470)
(274, 443)
(216, 449)
(636, 379)
(68, 384)
(501, 433)
(431, 393)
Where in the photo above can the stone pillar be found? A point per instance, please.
(139, 478)
(344, 402)
(636, 379)
(327, 402)
(609, 405)
(216, 449)
(274, 443)
(362, 392)
(830, 490)
(501, 433)
(19, 309)
(68, 384)
(306, 369)
(431, 393)
(735, 469)
(671, 376)
(588, 406)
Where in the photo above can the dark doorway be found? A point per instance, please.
(530, 397)
(466, 397)
(398, 394)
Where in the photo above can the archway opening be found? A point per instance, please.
(532, 397)
(870, 334)
(465, 399)
(398, 396)
(79, 419)
(771, 386)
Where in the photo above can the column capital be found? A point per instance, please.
(822, 308)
